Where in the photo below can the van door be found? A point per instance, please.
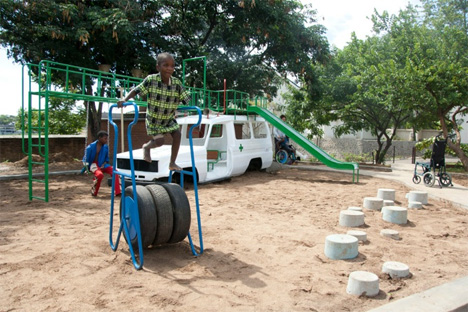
(242, 147)
(217, 153)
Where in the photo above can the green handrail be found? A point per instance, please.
(84, 84)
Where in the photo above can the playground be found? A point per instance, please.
(264, 251)
(264, 232)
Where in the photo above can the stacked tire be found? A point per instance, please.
(164, 214)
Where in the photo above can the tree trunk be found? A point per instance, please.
(382, 151)
(94, 115)
(456, 147)
(460, 154)
(388, 144)
(378, 152)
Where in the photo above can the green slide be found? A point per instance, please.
(310, 147)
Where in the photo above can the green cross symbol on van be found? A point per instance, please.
(241, 147)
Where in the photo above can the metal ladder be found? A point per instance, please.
(39, 145)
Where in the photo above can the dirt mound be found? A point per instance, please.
(62, 157)
(53, 158)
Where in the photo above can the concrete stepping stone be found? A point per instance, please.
(395, 269)
(341, 246)
(373, 203)
(386, 194)
(390, 233)
(414, 205)
(351, 218)
(360, 235)
(395, 214)
(362, 283)
(418, 196)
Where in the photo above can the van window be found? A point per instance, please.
(216, 131)
(198, 132)
(198, 135)
(259, 130)
(242, 130)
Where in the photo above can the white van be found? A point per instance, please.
(224, 146)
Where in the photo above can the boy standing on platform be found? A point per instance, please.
(165, 93)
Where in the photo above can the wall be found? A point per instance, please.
(339, 147)
(74, 145)
(401, 134)
(11, 146)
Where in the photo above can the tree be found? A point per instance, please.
(436, 50)
(363, 87)
(64, 118)
(245, 41)
(7, 120)
(411, 72)
(82, 33)
(444, 66)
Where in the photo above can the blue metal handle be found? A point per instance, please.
(123, 224)
(194, 175)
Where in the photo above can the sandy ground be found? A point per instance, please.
(263, 235)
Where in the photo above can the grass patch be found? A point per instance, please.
(455, 167)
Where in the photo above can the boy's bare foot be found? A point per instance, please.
(146, 153)
(174, 167)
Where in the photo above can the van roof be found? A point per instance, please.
(214, 119)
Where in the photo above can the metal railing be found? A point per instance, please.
(49, 79)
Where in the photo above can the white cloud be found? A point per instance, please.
(342, 17)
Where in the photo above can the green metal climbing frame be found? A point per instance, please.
(48, 80)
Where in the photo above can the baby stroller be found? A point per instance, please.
(435, 169)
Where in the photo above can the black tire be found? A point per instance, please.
(188, 178)
(291, 159)
(416, 179)
(429, 179)
(282, 156)
(147, 213)
(165, 216)
(181, 212)
(255, 164)
(445, 179)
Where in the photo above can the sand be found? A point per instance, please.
(263, 236)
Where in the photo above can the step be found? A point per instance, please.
(362, 283)
(395, 214)
(341, 246)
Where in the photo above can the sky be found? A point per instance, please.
(340, 17)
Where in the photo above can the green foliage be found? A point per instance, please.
(6, 120)
(361, 158)
(354, 90)
(455, 167)
(412, 74)
(247, 42)
(464, 148)
(299, 116)
(426, 146)
(64, 118)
